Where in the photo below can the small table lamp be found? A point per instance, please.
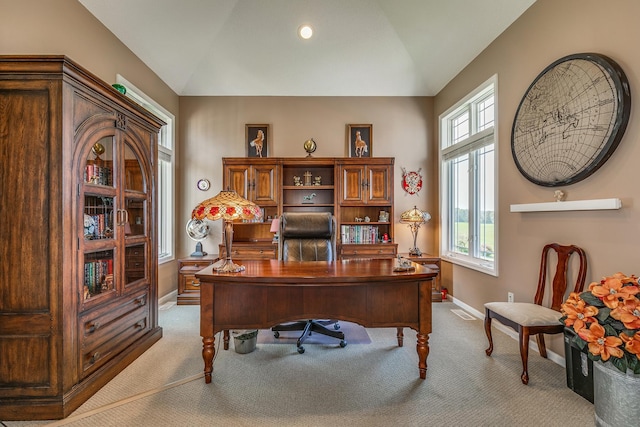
(415, 218)
(275, 228)
(229, 206)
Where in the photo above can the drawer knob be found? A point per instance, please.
(93, 327)
(94, 357)
(261, 251)
(139, 301)
(195, 283)
(139, 325)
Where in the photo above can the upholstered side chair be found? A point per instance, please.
(534, 318)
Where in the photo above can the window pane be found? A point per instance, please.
(486, 200)
(165, 234)
(459, 168)
(485, 113)
(460, 127)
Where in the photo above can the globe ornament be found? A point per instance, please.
(310, 146)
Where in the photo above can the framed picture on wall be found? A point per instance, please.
(359, 140)
(258, 140)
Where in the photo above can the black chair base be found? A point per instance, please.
(308, 327)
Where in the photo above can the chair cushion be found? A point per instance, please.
(307, 250)
(526, 314)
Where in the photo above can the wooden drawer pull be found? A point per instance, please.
(94, 357)
(195, 283)
(94, 327)
(139, 325)
(139, 301)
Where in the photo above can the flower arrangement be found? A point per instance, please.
(606, 319)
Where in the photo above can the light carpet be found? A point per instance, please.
(359, 385)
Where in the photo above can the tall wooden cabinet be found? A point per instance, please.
(357, 191)
(78, 260)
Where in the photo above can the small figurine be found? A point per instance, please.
(367, 219)
(297, 181)
(559, 195)
(309, 198)
(317, 180)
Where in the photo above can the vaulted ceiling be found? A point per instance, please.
(359, 47)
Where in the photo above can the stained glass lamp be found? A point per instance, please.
(228, 206)
(414, 218)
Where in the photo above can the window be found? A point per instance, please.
(468, 181)
(166, 138)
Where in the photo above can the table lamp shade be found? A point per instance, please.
(275, 225)
(228, 206)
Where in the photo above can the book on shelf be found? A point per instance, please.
(359, 234)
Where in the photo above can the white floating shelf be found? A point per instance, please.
(575, 205)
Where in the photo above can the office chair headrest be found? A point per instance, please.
(311, 225)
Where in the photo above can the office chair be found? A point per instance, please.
(533, 318)
(308, 237)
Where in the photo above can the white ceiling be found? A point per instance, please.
(359, 47)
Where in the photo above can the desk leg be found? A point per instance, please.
(208, 351)
(400, 336)
(423, 352)
(225, 340)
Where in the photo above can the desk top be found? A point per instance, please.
(317, 272)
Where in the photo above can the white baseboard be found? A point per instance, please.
(554, 357)
(170, 297)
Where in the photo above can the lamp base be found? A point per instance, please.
(227, 266)
(415, 252)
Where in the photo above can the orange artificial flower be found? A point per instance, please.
(578, 314)
(628, 312)
(599, 344)
(611, 290)
(632, 344)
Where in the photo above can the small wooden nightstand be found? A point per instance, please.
(433, 262)
(188, 284)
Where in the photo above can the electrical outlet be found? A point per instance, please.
(509, 296)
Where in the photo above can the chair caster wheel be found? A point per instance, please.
(336, 326)
(343, 343)
(300, 350)
(276, 334)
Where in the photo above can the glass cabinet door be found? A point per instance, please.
(99, 164)
(98, 273)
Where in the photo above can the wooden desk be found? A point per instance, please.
(271, 292)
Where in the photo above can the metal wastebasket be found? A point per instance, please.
(244, 341)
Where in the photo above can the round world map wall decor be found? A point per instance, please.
(570, 119)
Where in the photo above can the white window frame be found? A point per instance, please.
(475, 141)
(166, 192)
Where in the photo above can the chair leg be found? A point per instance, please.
(487, 330)
(541, 347)
(524, 353)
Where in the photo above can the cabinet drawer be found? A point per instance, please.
(368, 251)
(242, 252)
(107, 331)
(191, 282)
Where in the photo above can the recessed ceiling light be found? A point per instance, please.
(305, 31)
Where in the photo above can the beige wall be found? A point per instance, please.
(549, 30)
(65, 27)
(214, 127)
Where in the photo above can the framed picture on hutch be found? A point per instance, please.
(258, 140)
(359, 140)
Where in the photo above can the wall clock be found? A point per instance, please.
(570, 119)
(203, 184)
(411, 181)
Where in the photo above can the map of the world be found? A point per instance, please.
(570, 120)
